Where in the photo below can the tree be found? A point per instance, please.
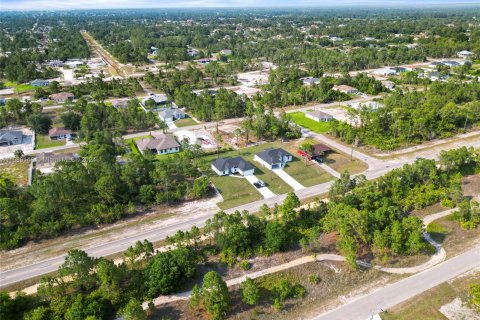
(71, 120)
(78, 265)
(307, 146)
(215, 296)
(40, 123)
(167, 271)
(250, 292)
(133, 311)
(276, 236)
(18, 153)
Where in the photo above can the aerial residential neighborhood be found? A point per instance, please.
(207, 160)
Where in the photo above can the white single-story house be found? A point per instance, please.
(171, 114)
(385, 72)
(451, 63)
(159, 144)
(59, 133)
(310, 81)
(464, 54)
(226, 52)
(390, 85)
(273, 158)
(40, 83)
(318, 116)
(371, 105)
(345, 89)
(226, 166)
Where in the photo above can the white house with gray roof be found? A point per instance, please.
(318, 116)
(171, 114)
(273, 158)
(226, 166)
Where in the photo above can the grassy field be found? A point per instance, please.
(185, 122)
(318, 127)
(235, 191)
(426, 305)
(17, 171)
(19, 88)
(43, 141)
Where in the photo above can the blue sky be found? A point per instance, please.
(102, 4)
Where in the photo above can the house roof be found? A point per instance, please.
(344, 87)
(157, 98)
(319, 114)
(158, 142)
(61, 96)
(58, 132)
(10, 135)
(223, 164)
(39, 81)
(321, 148)
(272, 156)
(170, 113)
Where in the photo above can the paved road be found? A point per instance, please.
(393, 294)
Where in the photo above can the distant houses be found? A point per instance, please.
(370, 105)
(159, 144)
(226, 52)
(310, 81)
(61, 97)
(10, 137)
(345, 89)
(465, 54)
(59, 133)
(40, 83)
(318, 116)
(226, 166)
(273, 158)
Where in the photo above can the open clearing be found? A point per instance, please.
(315, 126)
(16, 170)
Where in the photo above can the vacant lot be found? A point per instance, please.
(341, 162)
(15, 170)
(426, 305)
(318, 127)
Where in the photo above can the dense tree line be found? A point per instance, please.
(95, 191)
(414, 117)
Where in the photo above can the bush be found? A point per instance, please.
(313, 279)
(245, 265)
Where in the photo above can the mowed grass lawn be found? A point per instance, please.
(44, 141)
(19, 88)
(318, 127)
(185, 122)
(235, 191)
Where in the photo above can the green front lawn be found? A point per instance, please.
(309, 175)
(185, 122)
(318, 127)
(235, 191)
(43, 141)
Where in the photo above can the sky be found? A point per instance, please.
(118, 4)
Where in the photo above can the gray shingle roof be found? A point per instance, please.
(159, 142)
(9, 136)
(223, 164)
(272, 156)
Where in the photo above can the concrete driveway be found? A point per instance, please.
(266, 193)
(288, 179)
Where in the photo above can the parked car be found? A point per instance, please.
(257, 185)
(262, 183)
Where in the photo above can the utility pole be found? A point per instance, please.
(465, 126)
